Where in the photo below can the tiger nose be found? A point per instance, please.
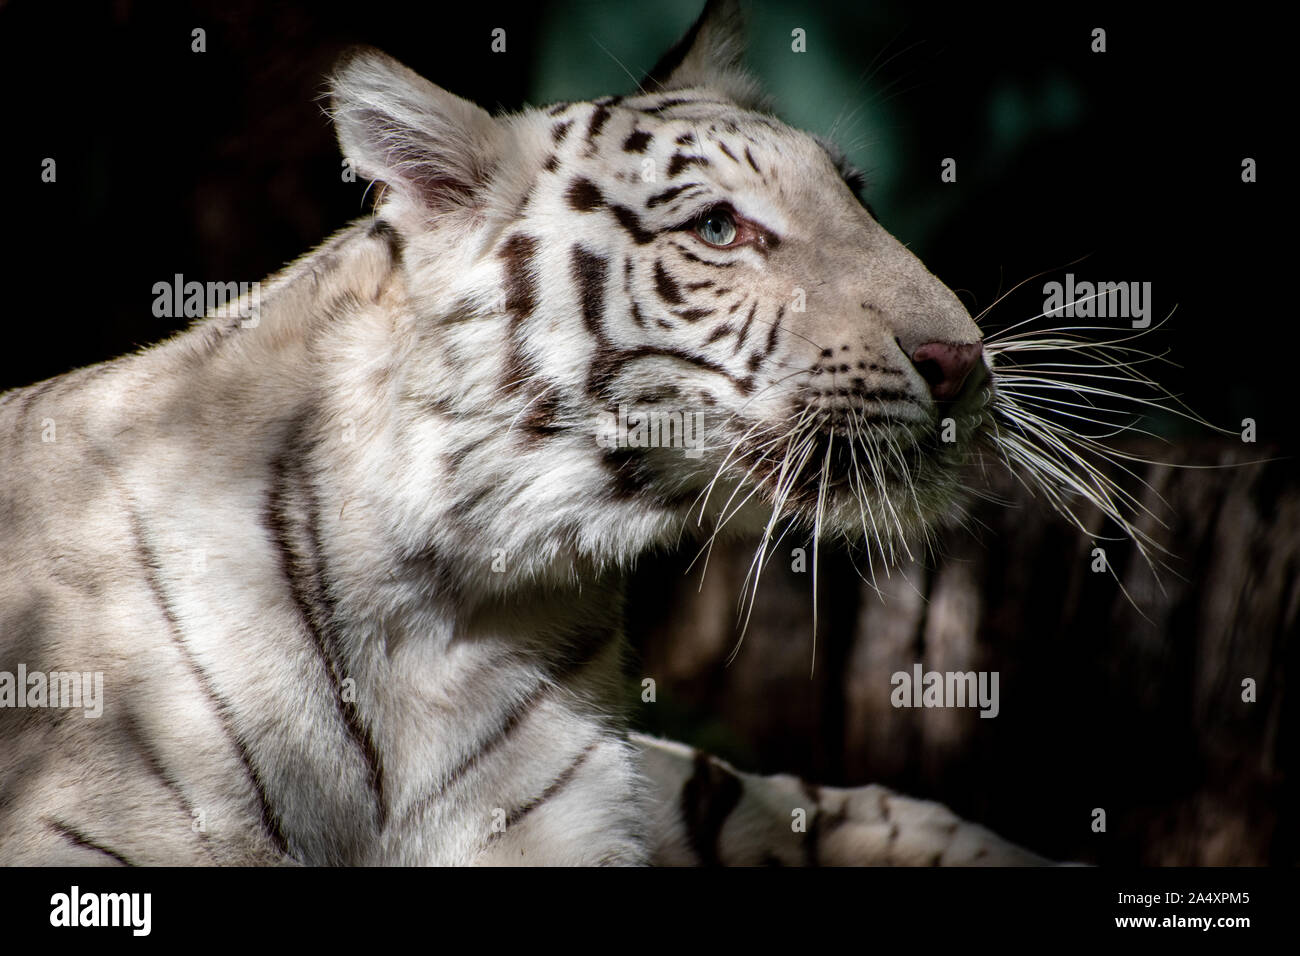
(945, 366)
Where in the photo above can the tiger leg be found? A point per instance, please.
(703, 811)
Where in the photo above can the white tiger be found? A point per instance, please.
(351, 569)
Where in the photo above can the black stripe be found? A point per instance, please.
(133, 733)
(583, 195)
(521, 208)
(668, 195)
(708, 798)
(631, 224)
(517, 254)
(665, 286)
(589, 271)
(312, 595)
(666, 105)
(721, 332)
(608, 361)
(599, 117)
(692, 257)
(152, 574)
(76, 837)
(542, 418)
(744, 329)
(773, 332)
(681, 161)
(638, 141)
(514, 717)
(629, 477)
(559, 131)
(559, 783)
(462, 507)
(694, 315)
(383, 229)
(521, 285)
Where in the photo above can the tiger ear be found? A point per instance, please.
(711, 54)
(434, 151)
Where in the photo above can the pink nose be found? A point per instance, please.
(945, 366)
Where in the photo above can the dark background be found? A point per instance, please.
(221, 166)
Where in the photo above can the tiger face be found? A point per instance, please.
(721, 260)
(681, 256)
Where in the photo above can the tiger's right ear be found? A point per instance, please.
(434, 151)
(711, 54)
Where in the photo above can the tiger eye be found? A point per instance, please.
(717, 228)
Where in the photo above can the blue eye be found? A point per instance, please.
(717, 228)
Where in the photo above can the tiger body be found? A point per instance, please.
(352, 567)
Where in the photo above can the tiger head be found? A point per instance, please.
(681, 288)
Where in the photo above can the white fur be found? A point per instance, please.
(366, 411)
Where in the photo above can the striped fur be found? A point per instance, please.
(353, 572)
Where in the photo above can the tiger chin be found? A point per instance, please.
(350, 562)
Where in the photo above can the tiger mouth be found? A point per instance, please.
(848, 461)
(858, 466)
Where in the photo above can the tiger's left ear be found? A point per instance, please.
(435, 152)
(711, 54)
